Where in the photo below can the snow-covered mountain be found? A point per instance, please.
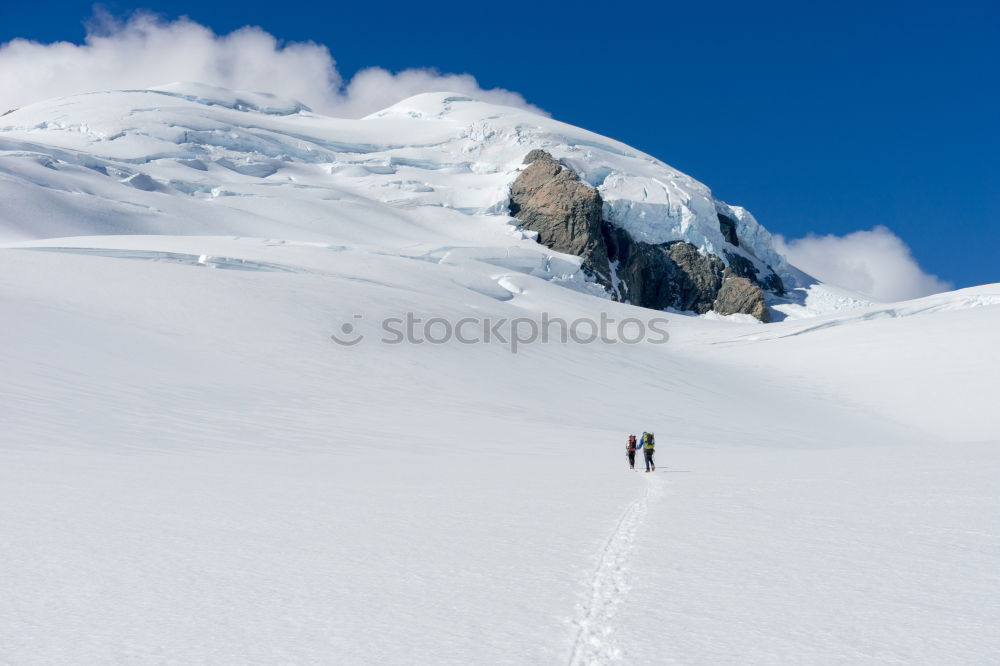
(191, 159)
(195, 470)
(242, 151)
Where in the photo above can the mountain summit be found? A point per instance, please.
(437, 168)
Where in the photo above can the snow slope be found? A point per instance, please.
(194, 472)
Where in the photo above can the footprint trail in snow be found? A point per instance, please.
(609, 587)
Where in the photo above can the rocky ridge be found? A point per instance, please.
(568, 215)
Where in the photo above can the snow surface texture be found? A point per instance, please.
(192, 471)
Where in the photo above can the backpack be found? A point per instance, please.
(648, 441)
(631, 443)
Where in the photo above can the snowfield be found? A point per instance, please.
(193, 471)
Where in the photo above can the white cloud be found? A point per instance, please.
(876, 263)
(146, 51)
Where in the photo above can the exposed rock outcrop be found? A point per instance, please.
(566, 212)
(739, 295)
(550, 199)
(662, 276)
(773, 282)
(743, 267)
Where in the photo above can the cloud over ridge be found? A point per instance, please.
(876, 263)
(147, 50)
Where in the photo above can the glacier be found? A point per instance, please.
(193, 471)
(234, 149)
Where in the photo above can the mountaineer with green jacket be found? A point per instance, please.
(648, 444)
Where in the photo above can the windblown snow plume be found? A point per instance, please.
(876, 263)
(146, 51)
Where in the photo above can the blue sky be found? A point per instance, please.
(822, 118)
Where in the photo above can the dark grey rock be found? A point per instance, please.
(702, 276)
(727, 226)
(667, 275)
(773, 282)
(741, 266)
